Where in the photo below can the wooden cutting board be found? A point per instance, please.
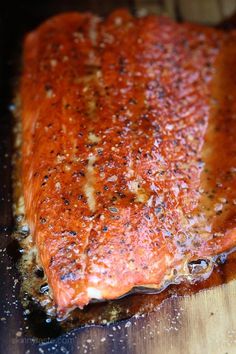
(201, 323)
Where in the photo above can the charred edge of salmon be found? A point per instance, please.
(33, 280)
(36, 287)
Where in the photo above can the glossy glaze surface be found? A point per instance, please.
(119, 188)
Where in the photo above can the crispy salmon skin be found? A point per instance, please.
(128, 157)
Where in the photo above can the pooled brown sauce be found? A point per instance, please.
(41, 325)
(144, 303)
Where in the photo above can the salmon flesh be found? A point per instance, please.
(129, 151)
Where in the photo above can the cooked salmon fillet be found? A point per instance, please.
(129, 151)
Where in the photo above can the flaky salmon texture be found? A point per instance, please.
(128, 158)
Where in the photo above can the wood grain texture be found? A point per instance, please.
(200, 323)
(200, 11)
(227, 7)
(203, 323)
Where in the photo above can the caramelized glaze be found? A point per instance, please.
(122, 185)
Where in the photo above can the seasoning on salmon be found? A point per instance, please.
(128, 160)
